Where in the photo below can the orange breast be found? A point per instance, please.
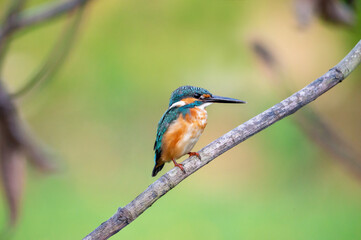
(183, 134)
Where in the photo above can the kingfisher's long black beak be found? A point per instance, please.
(219, 99)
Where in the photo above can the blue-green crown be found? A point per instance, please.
(186, 91)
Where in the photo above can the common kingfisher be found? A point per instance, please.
(182, 124)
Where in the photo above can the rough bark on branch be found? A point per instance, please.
(310, 122)
(169, 180)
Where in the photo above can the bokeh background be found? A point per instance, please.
(99, 115)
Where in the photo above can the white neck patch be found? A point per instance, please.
(182, 103)
(177, 104)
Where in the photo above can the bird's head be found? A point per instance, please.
(188, 94)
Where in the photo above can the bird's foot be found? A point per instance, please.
(195, 154)
(179, 165)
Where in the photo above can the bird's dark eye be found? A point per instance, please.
(197, 95)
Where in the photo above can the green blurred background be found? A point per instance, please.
(99, 116)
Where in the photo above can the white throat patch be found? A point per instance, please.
(204, 105)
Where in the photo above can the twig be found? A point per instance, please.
(290, 105)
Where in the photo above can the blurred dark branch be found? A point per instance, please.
(320, 132)
(8, 21)
(14, 134)
(171, 179)
(12, 167)
(56, 57)
(17, 20)
(14, 8)
(264, 54)
(46, 12)
(15, 142)
(310, 122)
(15, 145)
(38, 14)
(334, 11)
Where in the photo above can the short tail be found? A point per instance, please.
(157, 168)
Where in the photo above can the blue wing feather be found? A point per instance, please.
(167, 119)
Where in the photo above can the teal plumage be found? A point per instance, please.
(168, 117)
(186, 91)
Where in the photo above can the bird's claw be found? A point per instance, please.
(179, 165)
(195, 154)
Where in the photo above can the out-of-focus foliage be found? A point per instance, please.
(101, 110)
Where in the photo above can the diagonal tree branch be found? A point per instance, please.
(310, 121)
(290, 105)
